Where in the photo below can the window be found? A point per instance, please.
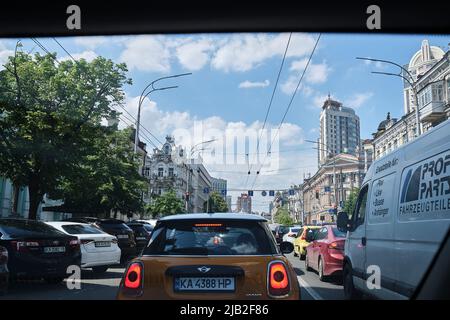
(360, 210)
(211, 237)
(81, 229)
(171, 172)
(322, 234)
(160, 172)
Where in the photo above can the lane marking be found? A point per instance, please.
(310, 290)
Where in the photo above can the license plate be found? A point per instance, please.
(186, 284)
(140, 238)
(54, 249)
(122, 236)
(103, 244)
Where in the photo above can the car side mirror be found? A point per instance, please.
(343, 223)
(286, 247)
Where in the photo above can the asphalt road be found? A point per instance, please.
(104, 286)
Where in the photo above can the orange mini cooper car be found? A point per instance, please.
(211, 256)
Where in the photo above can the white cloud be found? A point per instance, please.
(86, 55)
(146, 53)
(4, 54)
(358, 99)
(194, 55)
(249, 84)
(316, 73)
(319, 100)
(246, 51)
(90, 42)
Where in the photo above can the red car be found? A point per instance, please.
(326, 252)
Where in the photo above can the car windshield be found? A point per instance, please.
(81, 229)
(27, 228)
(228, 237)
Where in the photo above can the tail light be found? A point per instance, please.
(337, 245)
(3, 255)
(278, 279)
(133, 281)
(114, 241)
(23, 246)
(86, 241)
(74, 243)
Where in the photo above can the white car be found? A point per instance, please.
(291, 234)
(99, 250)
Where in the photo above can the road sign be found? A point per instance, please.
(271, 193)
(264, 193)
(206, 190)
(327, 189)
(291, 192)
(250, 193)
(224, 192)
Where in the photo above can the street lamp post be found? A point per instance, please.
(144, 95)
(410, 81)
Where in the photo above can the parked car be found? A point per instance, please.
(99, 250)
(4, 273)
(142, 233)
(280, 231)
(124, 234)
(326, 252)
(291, 234)
(37, 250)
(400, 219)
(303, 239)
(211, 256)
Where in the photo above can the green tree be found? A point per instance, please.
(282, 217)
(216, 203)
(107, 179)
(166, 204)
(350, 203)
(50, 113)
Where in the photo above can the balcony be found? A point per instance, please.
(432, 111)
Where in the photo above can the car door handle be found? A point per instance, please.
(363, 241)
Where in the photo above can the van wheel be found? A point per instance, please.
(350, 291)
(307, 267)
(322, 277)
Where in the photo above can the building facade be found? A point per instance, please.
(430, 67)
(326, 191)
(220, 186)
(339, 131)
(244, 203)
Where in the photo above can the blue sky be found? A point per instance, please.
(233, 78)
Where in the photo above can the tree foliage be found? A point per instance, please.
(350, 203)
(216, 203)
(282, 217)
(49, 114)
(166, 204)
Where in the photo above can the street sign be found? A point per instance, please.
(332, 210)
(250, 193)
(206, 190)
(224, 192)
(291, 192)
(264, 193)
(327, 189)
(271, 193)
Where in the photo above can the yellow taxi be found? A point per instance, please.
(211, 256)
(301, 241)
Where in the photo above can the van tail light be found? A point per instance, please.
(3, 256)
(133, 281)
(278, 279)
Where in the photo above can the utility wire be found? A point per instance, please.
(290, 104)
(270, 102)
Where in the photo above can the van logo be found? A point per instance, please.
(411, 185)
(203, 269)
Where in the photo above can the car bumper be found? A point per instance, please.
(334, 263)
(93, 259)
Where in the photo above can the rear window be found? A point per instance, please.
(338, 234)
(27, 228)
(80, 229)
(283, 229)
(295, 230)
(193, 237)
(114, 225)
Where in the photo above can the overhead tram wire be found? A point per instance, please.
(270, 105)
(290, 104)
(120, 104)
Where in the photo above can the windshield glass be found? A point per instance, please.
(338, 234)
(27, 228)
(210, 238)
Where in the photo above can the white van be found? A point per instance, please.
(401, 216)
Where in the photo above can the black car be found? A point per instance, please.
(37, 250)
(124, 234)
(279, 232)
(4, 273)
(141, 234)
